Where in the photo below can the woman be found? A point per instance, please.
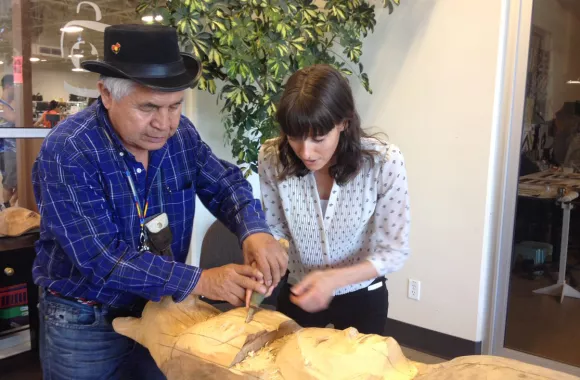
(340, 197)
(52, 110)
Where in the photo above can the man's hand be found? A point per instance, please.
(229, 283)
(315, 291)
(270, 257)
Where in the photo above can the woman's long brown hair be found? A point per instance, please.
(316, 99)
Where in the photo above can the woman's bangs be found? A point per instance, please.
(304, 122)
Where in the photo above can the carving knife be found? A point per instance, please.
(255, 302)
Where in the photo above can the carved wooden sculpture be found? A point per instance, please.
(15, 221)
(193, 340)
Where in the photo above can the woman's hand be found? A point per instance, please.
(315, 291)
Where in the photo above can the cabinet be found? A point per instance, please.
(18, 295)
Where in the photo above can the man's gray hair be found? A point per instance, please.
(118, 87)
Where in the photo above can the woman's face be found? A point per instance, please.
(317, 152)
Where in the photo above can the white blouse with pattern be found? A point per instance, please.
(367, 218)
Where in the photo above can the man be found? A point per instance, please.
(99, 178)
(8, 146)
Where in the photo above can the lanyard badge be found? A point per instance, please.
(155, 234)
(159, 236)
(141, 214)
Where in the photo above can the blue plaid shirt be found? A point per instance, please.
(89, 232)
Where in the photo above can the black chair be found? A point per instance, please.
(220, 247)
(52, 119)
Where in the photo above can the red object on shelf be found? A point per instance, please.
(11, 296)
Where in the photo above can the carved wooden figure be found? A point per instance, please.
(193, 340)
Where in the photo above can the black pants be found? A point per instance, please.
(366, 310)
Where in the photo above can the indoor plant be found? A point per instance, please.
(252, 46)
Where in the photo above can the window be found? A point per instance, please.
(42, 44)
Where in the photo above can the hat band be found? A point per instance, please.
(151, 70)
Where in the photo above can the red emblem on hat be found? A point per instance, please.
(116, 47)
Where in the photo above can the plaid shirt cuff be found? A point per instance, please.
(251, 227)
(184, 278)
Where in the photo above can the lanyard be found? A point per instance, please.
(141, 211)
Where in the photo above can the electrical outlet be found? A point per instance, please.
(414, 289)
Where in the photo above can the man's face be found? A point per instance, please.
(144, 119)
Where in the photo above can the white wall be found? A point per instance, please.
(203, 111)
(48, 80)
(432, 66)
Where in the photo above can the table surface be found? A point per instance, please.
(13, 243)
(546, 184)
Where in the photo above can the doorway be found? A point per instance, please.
(536, 311)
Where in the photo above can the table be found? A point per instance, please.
(550, 185)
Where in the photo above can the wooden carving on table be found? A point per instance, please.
(193, 340)
(15, 221)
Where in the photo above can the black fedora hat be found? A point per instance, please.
(148, 55)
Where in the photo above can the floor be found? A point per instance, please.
(21, 367)
(541, 325)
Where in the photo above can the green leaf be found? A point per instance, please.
(215, 56)
(389, 4)
(142, 7)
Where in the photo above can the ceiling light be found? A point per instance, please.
(43, 60)
(78, 55)
(147, 18)
(1, 62)
(34, 59)
(575, 81)
(78, 70)
(72, 29)
(158, 18)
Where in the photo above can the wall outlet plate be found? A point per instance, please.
(414, 291)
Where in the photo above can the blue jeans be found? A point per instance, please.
(78, 342)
